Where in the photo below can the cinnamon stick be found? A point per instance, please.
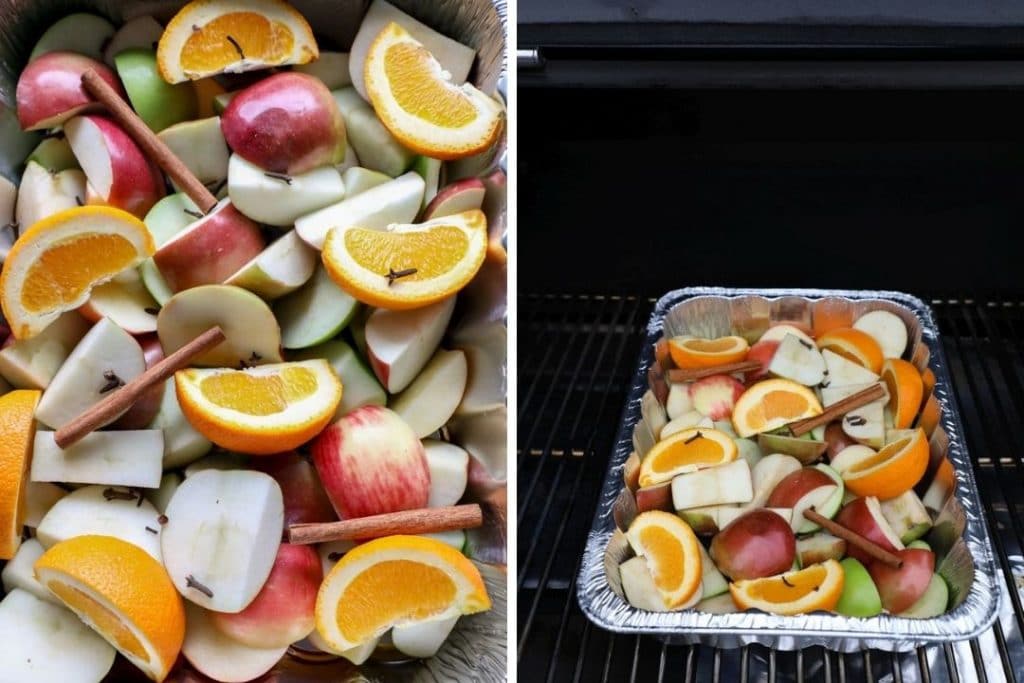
(870, 547)
(421, 521)
(145, 138)
(680, 375)
(119, 400)
(838, 409)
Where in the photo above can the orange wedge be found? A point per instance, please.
(17, 433)
(55, 264)
(693, 352)
(407, 266)
(771, 404)
(412, 96)
(209, 37)
(395, 580)
(931, 414)
(123, 594)
(892, 471)
(928, 380)
(905, 391)
(672, 552)
(817, 587)
(855, 345)
(262, 410)
(686, 451)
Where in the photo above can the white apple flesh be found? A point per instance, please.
(449, 472)
(315, 312)
(106, 357)
(162, 495)
(97, 510)
(42, 193)
(40, 496)
(19, 572)
(798, 360)
(377, 149)
(679, 401)
(371, 462)
(201, 147)
(730, 483)
(223, 531)
(182, 443)
(358, 180)
(399, 343)
(843, 372)
(485, 347)
(424, 638)
(397, 201)
(428, 403)
(46, 643)
(220, 657)
(887, 329)
(766, 475)
(685, 421)
(483, 436)
(462, 195)
(115, 458)
(32, 363)
(125, 301)
(361, 388)
(280, 200)
(251, 335)
(284, 266)
(430, 170)
(222, 461)
(167, 218)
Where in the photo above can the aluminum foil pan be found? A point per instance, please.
(476, 649)
(960, 537)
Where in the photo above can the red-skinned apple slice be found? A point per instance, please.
(819, 487)
(901, 588)
(371, 462)
(282, 612)
(767, 473)
(285, 123)
(837, 440)
(864, 516)
(220, 657)
(932, 603)
(114, 165)
(399, 343)
(715, 396)
(659, 497)
(280, 269)
(210, 250)
(763, 352)
(280, 200)
(50, 89)
(778, 332)
(305, 501)
(757, 544)
(462, 195)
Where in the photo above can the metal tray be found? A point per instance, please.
(959, 538)
(476, 649)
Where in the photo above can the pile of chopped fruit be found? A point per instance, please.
(248, 348)
(763, 445)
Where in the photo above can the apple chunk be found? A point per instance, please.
(220, 657)
(126, 301)
(449, 472)
(757, 544)
(210, 250)
(901, 588)
(281, 268)
(361, 386)
(887, 329)
(462, 195)
(305, 500)
(715, 396)
(376, 148)
(117, 458)
(767, 474)
(315, 312)
(864, 516)
(798, 360)
(399, 343)
(49, 90)
(221, 537)
(729, 483)
(277, 199)
(43, 193)
(842, 372)
(251, 336)
(397, 201)
(330, 67)
(907, 516)
(44, 643)
(81, 33)
(422, 639)
(102, 511)
(371, 462)
(201, 147)
(428, 403)
(32, 363)
(142, 31)
(158, 103)
(182, 443)
(105, 359)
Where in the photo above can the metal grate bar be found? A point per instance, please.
(577, 355)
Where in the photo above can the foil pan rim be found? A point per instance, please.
(975, 615)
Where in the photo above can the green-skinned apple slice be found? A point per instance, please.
(749, 451)
(455, 58)
(719, 604)
(32, 363)
(361, 387)
(397, 201)
(462, 195)
(351, 159)
(907, 516)
(140, 32)
(85, 34)
(933, 603)
(105, 357)
(859, 597)
(115, 458)
(358, 180)
(158, 103)
(182, 443)
(428, 403)
(167, 218)
(804, 450)
(280, 269)
(54, 154)
(252, 336)
(94, 510)
(376, 147)
(279, 200)
(712, 580)
(330, 67)
(42, 194)
(423, 638)
(46, 643)
(430, 170)
(315, 312)
(920, 545)
(201, 147)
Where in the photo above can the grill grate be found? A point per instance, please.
(577, 356)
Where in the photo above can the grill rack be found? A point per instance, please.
(577, 354)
